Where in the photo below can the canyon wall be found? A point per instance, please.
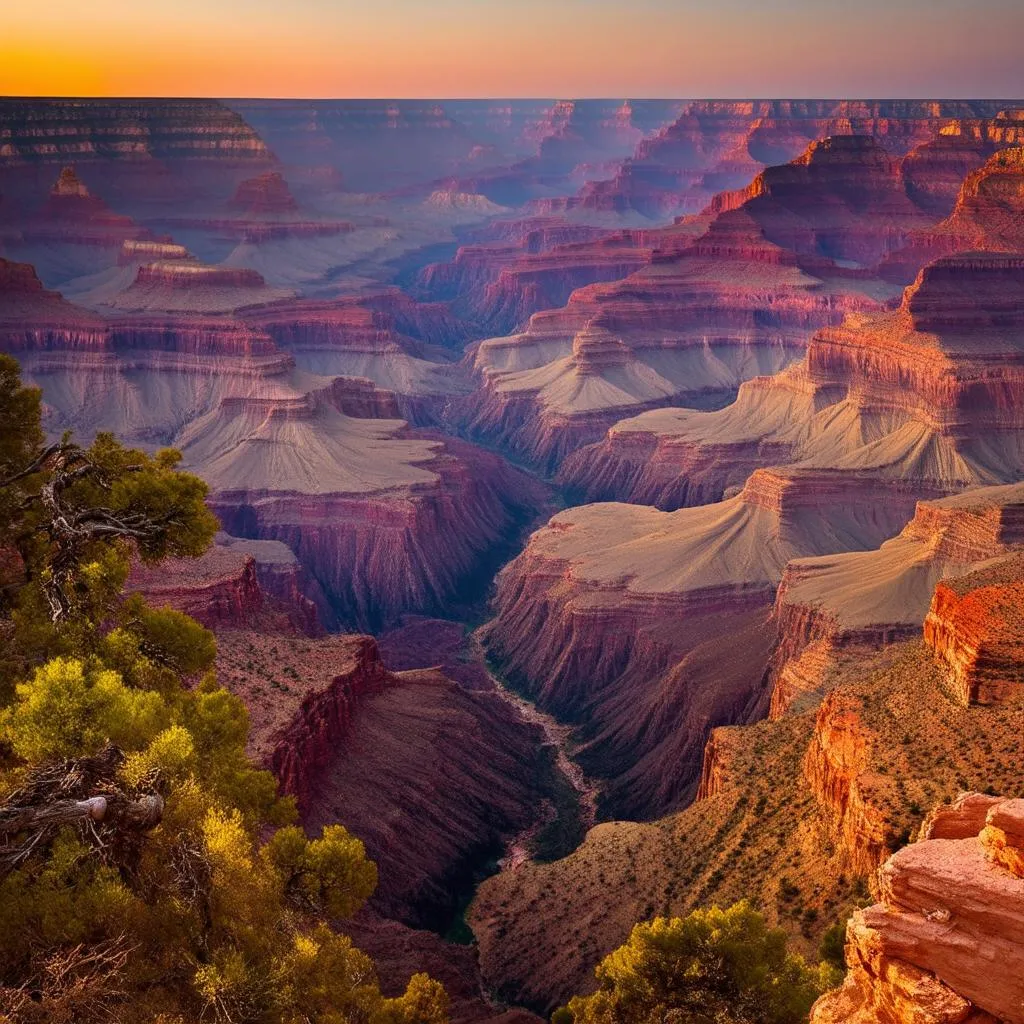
(943, 942)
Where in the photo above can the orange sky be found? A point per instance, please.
(523, 48)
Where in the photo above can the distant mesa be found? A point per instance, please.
(444, 199)
(69, 185)
(263, 195)
(192, 274)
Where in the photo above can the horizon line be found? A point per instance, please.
(625, 97)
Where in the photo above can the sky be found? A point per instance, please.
(509, 48)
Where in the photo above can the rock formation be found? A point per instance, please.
(237, 584)
(829, 607)
(928, 395)
(988, 215)
(975, 628)
(943, 943)
(777, 260)
(265, 195)
(719, 144)
(615, 616)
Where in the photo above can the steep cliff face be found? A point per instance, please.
(943, 943)
(929, 395)
(356, 743)
(86, 131)
(829, 608)
(386, 521)
(33, 317)
(236, 584)
(988, 215)
(619, 618)
(974, 626)
(837, 769)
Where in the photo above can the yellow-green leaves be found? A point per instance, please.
(717, 965)
(332, 873)
(67, 710)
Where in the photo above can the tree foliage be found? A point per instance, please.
(722, 966)
(135, 882)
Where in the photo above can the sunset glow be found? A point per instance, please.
(483, 48)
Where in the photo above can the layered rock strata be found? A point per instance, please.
(616, 617)
(828, 607)
(943, 942)
(929, 394)
(706, 314)
(975, 628)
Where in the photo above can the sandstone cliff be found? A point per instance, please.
(828, 607)
(943, 944)
(974, 626)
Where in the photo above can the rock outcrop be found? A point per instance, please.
(976, 629)
(943, 943)
(929, 395)
(265, 195)
(828, 608)
(236, 584)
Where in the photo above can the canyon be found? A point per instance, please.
(621, 501)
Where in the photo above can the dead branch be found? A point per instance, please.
(80, 793)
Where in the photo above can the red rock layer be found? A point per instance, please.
(930, 394)
(842, 199)
(825, 607)
(234, 585)
(943, 945)
(358, 744)
(975, 627)
(837, 767)
(266, 194)
(499, 286)
(988, 215)
(190, 275)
